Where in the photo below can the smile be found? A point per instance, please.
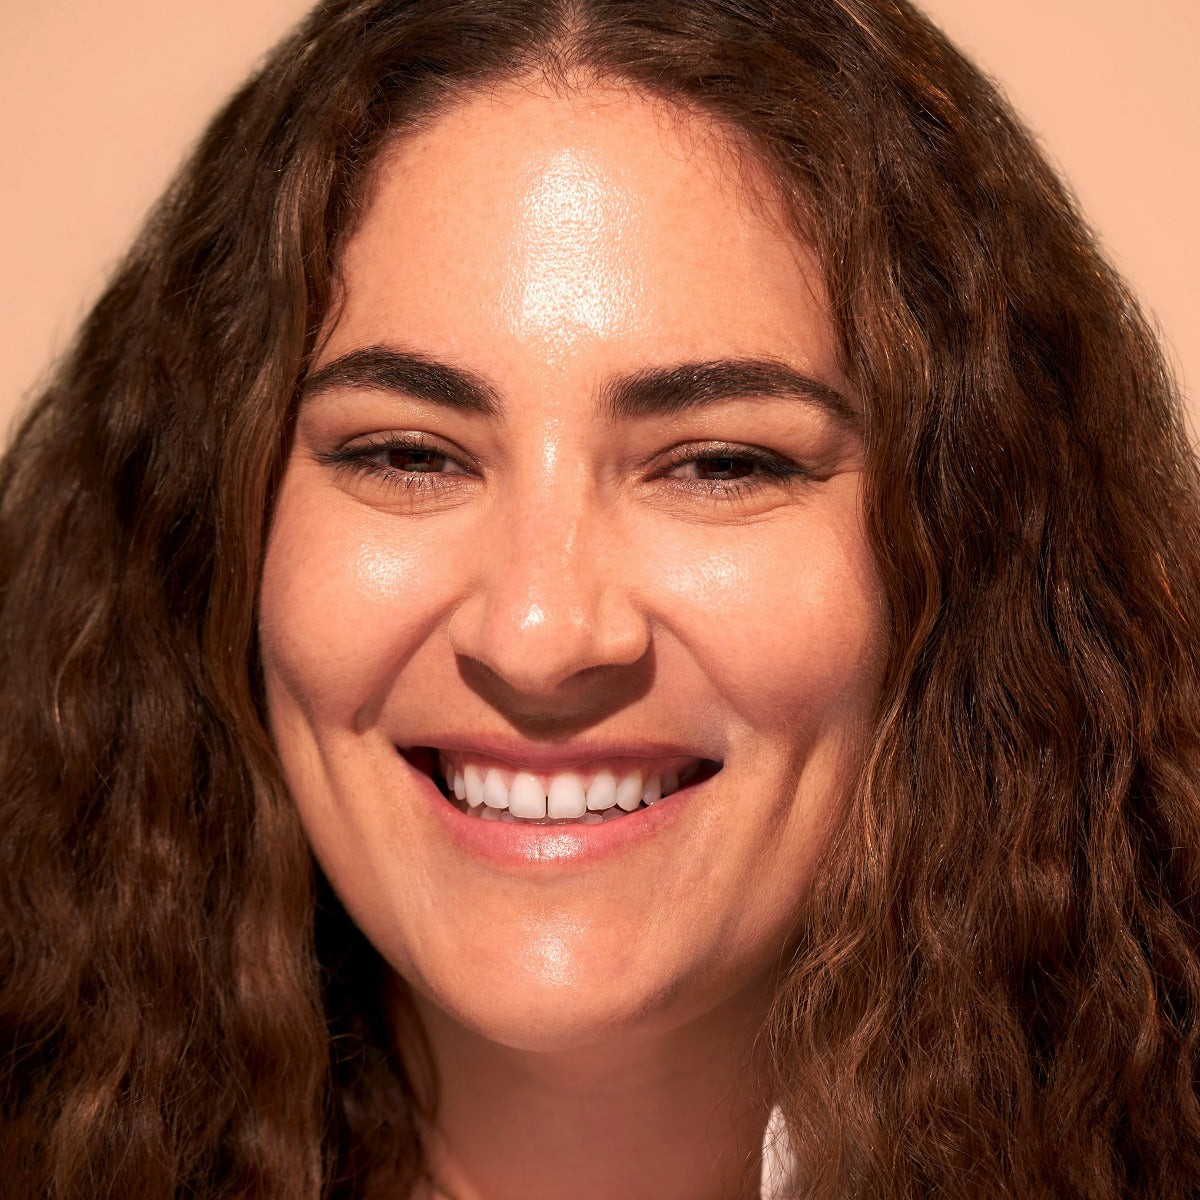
(599, 792)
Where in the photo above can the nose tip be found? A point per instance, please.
(537, 626)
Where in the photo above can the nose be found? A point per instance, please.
(553, 607)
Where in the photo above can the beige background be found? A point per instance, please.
(100, 98)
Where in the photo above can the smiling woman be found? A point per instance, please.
(592, 559)
(608, 613)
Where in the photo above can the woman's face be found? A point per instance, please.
(572, 514)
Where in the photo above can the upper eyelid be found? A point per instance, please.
(759, 454)
(721, 449)
(368, 444)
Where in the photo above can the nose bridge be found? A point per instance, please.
(553, 520)
(554, 597)
(547, 585)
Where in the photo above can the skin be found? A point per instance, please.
(560, 576)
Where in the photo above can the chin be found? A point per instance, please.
(554, 998)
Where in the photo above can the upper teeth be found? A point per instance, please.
(562, 796)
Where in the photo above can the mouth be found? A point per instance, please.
(595, 793)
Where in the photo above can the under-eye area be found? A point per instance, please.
(588, 795)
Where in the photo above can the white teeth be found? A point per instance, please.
(473, 782)
(629, 791)
(486, 792)
(603, 792)
(565, 798)
(495, 794)
(526, 798)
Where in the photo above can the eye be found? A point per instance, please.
(730, 470)
(415, 460)
(408, 460)
(718, 467)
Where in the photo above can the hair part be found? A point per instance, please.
(996, 987)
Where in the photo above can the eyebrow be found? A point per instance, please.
(384, 369)
(651, 392)
(664, 391)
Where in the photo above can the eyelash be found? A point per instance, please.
(361, 459)
(769, 468)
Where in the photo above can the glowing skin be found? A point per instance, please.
(553, 578)
(573, 243)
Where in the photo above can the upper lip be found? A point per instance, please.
(549, 756)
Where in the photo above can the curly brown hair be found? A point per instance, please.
(998, 988)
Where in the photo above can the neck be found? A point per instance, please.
(674, 1114)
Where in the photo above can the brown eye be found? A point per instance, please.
(408, 460)
(415, 460)
(719, 468)
(728, 471)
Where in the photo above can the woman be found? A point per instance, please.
(668, 508)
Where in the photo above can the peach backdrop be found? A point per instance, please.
(99, 99)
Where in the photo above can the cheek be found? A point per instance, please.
(344, 604)
(786, 623)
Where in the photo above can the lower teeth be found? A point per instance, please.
(502, 814)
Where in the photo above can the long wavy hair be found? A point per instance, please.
(999, 981)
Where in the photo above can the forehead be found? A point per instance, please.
(596, 223)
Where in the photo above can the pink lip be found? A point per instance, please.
(549, 758)
(515, 846)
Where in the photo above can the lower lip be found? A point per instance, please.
(512, 844)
